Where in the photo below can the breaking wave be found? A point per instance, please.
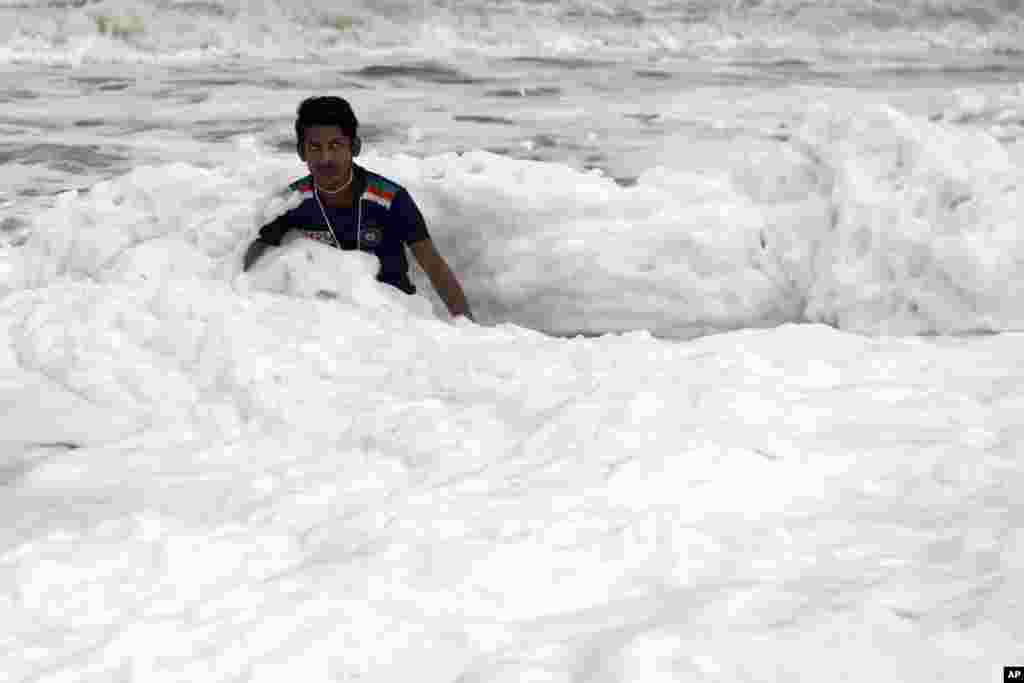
(76, 31)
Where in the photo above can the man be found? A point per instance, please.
(349, 207)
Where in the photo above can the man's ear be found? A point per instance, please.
(301, 152)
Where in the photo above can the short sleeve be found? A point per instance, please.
(409, 219)
(280, 210)
(274, 231)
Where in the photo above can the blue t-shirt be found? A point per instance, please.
(383, 221)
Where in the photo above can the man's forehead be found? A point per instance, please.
(321, 133)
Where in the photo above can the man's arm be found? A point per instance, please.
(254, 251)
(270, 236)
(445, 283)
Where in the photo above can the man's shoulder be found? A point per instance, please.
(288, 200)
(381, 189)
(381, 182)
(302, 186)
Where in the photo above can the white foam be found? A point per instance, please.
(927, 224)
(218, 476)
(871, 220)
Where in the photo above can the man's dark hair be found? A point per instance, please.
(325, 111)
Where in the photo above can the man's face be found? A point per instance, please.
(328, 155)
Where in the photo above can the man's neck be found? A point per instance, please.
(343, 199)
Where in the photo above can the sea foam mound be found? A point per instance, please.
(925, 235)
(868, 220)
(128, 300)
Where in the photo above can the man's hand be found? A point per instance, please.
(254, 251)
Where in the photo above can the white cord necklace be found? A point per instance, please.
(327, 220)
